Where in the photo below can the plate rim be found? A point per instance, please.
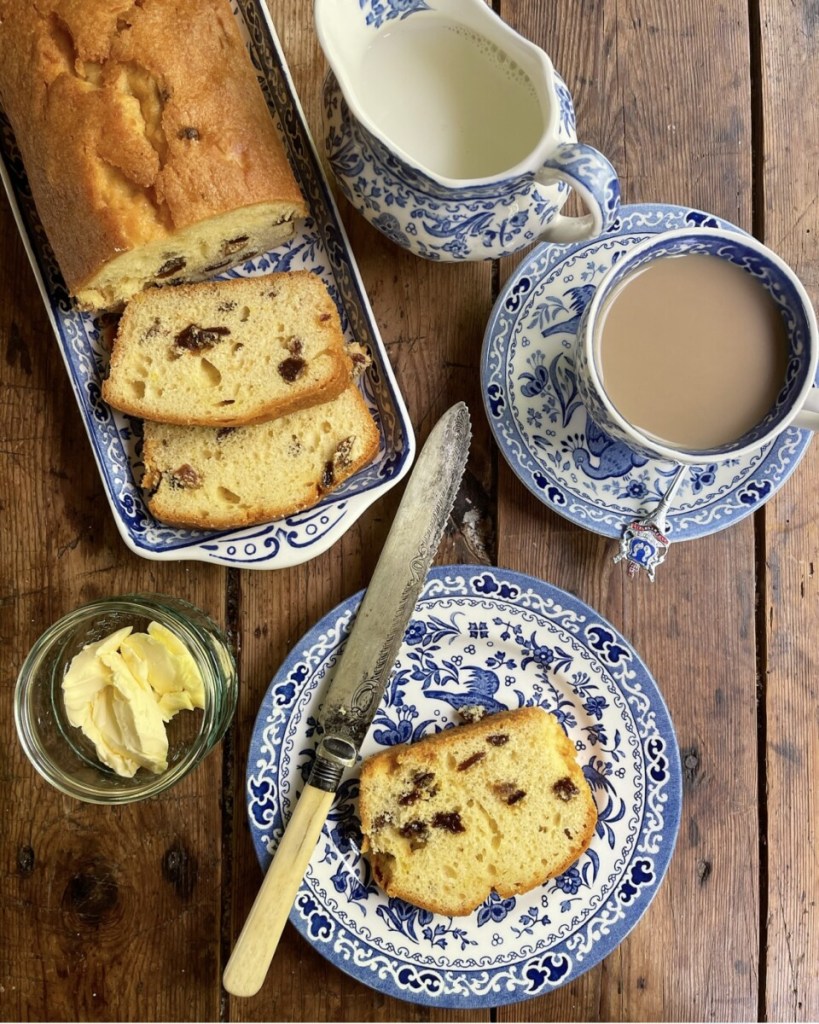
(672, 805)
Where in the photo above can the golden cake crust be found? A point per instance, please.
(136, 121)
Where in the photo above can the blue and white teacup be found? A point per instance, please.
(404, 72)
(797, 401)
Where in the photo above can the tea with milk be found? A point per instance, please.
(692, 351)
(450, 99)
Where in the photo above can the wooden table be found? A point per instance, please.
(130, 913)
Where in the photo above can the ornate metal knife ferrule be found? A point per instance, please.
(333, 755)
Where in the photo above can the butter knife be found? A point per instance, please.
(357, 686)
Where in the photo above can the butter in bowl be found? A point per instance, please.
(123, 697)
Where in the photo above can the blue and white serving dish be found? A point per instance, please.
(319, 245)
(503, 640)
(547, 436)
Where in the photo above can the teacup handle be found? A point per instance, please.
(808, 415)
(595, 180)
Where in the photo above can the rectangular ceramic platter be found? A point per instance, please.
(319, 245)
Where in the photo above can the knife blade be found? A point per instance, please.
(357, 686)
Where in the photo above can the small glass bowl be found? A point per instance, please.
(63, 755)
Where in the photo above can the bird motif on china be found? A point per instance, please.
(580, 298)
(614, 458)
(472, 686)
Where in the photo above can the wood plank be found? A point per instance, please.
(115, 914)
(105, 913)
(789, 73)
(431, 319)
(665, 92)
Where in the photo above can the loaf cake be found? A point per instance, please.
(227, 353)
(499, 804)
(224, 477)
(147, 142)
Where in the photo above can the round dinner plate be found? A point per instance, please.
(502, 640)
(544, 432)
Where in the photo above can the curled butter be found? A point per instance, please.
(161, 660)
(122, 690)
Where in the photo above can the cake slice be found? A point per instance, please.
(500, 804)
(228, 353)
(224, 477)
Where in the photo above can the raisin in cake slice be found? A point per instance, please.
(224, 477)
(228, 353)
(500, 804)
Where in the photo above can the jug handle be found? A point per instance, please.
(594, 179)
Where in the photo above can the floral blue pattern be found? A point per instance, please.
(319, 245)
(500, 639)
(486, 221)
(553, 442)
(376, 12)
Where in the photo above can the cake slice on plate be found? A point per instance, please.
(499, 805)
(229, 353)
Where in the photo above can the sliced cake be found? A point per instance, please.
(147, 142)
(500, 805)
(228, 353)
(225, 477)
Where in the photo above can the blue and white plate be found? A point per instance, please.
(546, 435)
(502, 640)
(319, 245)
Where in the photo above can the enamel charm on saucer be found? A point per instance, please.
(645, 543)
(643, 546)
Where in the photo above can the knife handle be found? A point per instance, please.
(248, 964)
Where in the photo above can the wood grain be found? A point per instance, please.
(788, 157)
(671, 108)
(130, 913)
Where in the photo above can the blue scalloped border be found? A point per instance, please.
(540, 973)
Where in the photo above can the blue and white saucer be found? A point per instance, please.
(502, 640)
(546, 435)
